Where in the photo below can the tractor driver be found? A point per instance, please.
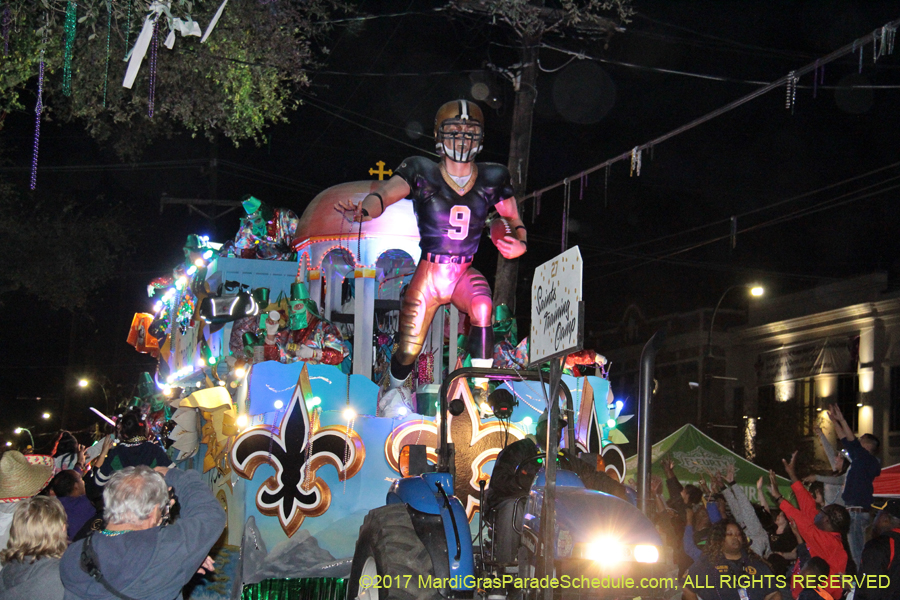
(451, 199)
(512, 477)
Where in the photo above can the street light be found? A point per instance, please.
(19, 430)
(84, 383)
(755, 291)
(45, 415)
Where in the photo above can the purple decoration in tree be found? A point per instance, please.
(7, 20)
(154, 51)
(38, 109)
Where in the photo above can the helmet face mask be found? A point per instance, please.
(459, 130)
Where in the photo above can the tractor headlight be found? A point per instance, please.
(605, 551)
(646, 553)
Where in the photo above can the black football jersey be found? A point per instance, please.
(450, 223)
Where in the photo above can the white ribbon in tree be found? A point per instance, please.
(212, 23)
(158, 9)
(185, 28)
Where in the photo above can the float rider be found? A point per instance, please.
(451, 199)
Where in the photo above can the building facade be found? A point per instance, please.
(760, 383)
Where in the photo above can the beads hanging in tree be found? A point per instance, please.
(5, 22)
(38, 109)
(791, 93)
(127, 27)
(71, 9)
(108, 32)
(154, 52)
(635, 162)
(606, 188)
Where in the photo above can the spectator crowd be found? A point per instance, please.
(125, 525)
(818, 543)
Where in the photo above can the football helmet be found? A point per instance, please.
(459, 130)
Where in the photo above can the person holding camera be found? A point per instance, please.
(140, 554)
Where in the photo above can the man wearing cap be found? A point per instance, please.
(266, 233)
(452, 200)
(881, 555)
(21, 477)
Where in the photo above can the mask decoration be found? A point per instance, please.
(504, 324)
(298, 319)
(258, 215)
(299, 311)
(193, 249)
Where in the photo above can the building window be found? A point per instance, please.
(848, 397)
(806, 395)
(895, 398)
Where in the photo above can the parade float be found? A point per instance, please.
(271, 347)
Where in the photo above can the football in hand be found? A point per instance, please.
(499, 229)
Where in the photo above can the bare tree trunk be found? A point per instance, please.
(506, 275)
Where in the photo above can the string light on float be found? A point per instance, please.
(242, 421)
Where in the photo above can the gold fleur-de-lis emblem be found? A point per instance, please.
(296, 451)
(476, 444)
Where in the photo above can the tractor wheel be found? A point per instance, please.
(389, 559)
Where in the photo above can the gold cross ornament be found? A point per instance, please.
(380, 171)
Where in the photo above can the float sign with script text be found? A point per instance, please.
(557, 309)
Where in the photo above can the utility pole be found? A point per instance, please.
(530, 21)
(506, 275)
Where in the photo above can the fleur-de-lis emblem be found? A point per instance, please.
(476, 444)
(295, 492)
(589, 434)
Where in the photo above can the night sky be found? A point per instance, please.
(659, 241)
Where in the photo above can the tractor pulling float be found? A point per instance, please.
(296, 442)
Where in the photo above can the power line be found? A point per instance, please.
(763, 208)
(710, 266)
(375, 131)
(141, 166)
(350, 96)
(387, 16)
(826, 205)
(771, 52)
(295, 183)
(791, 77)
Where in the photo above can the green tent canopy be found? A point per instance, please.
(696, 455)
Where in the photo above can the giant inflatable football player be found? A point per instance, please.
(451, 199)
